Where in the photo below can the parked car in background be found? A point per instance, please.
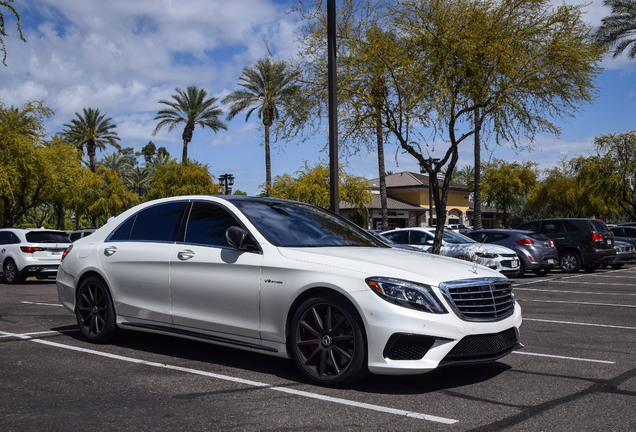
(536, 251)
(28, 252)
(460, 228)
(287, 279)
(626, 233)
(581, 243)
(78, 234)
(625, 254)
(456, 245)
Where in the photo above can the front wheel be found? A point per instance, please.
(94, 311)
(327, 342)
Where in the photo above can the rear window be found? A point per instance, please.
(598, 226)
(47, 237)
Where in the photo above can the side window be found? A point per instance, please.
(570, 227)
(207, 224)
(5, 237)
(418, 238)
(399, 237)
(618, 232)
(499, 237)
(123, 232)
(479, 237)
(158, 223)
(630, 232)
(530, 226)
(552, 227)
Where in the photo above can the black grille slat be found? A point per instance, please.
(480, 299)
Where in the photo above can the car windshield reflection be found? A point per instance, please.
(299, 225)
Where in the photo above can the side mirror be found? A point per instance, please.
(239, 239)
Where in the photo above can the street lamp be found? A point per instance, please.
(226, 180)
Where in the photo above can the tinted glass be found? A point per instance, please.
(419, 237)
(617, 231)
(399, 237)
(158, 223)
(456, 238)
(629, 232)
(478, 237)
(5, 237)
(551, 227)
(570, 227)
(123, 232)
(47, 237)
(207, 225)
(498, 237)
(598, 226)
(530, 226)
(295, 224)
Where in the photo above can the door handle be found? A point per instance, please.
(110, 250)
(185, 255)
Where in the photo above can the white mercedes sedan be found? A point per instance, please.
(286, 279)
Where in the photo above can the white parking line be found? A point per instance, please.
(41, 304)
(578, 303)
(340, 401)
(580, 324)
(564, 358)
(603, 293)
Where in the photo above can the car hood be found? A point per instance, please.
(391, 262)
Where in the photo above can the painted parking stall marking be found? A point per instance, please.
(340, 401)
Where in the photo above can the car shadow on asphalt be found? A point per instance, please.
(219, 357)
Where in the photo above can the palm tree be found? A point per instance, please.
(91, 131)
(190, 108)
(618, 29)
(268, 88)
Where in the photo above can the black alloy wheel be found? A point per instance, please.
(569, 262)
(328, 345)
(94, 311)
(11, 273)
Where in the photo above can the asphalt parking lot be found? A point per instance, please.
(576, 372)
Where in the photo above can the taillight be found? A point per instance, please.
(551, 243)
(597, 237)
(525, 242)
(68, 249)
(31, 249)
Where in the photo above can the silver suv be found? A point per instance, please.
(31, 252)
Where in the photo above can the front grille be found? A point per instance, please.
(483, 347)
(480, 299)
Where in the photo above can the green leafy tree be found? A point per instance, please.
(110, 198)
(506, 184)
(514, 64)
(175, 179)
(618, 174)
(22, 161)
(189, 108)
(311, 185)
(7, 4)
(91, 131)
(269, 89)
(617, 30)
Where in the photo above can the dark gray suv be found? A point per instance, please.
(581, 243)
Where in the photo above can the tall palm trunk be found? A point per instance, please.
(477, 193)
(188, 131)
(90, 151)
(382, 173)
(268, 163)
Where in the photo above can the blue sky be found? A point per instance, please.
(123, 56)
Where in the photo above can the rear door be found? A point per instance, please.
(136, 259)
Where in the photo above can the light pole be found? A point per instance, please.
(227, 181)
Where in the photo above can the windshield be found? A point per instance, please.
(290, 224)
(456, 238)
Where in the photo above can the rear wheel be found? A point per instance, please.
(541, 271)
(591, 267)
(94, 311)
(327, 342)
(569, 262)
(11, 273)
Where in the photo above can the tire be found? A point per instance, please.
(94, 311)
(541, 271)
(11, 273)
(522, 268)
(570, 262)
(327, 343)
(617, 266)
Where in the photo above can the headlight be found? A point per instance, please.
(407, 294)
(486, 255)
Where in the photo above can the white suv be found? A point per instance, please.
(30, 252)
